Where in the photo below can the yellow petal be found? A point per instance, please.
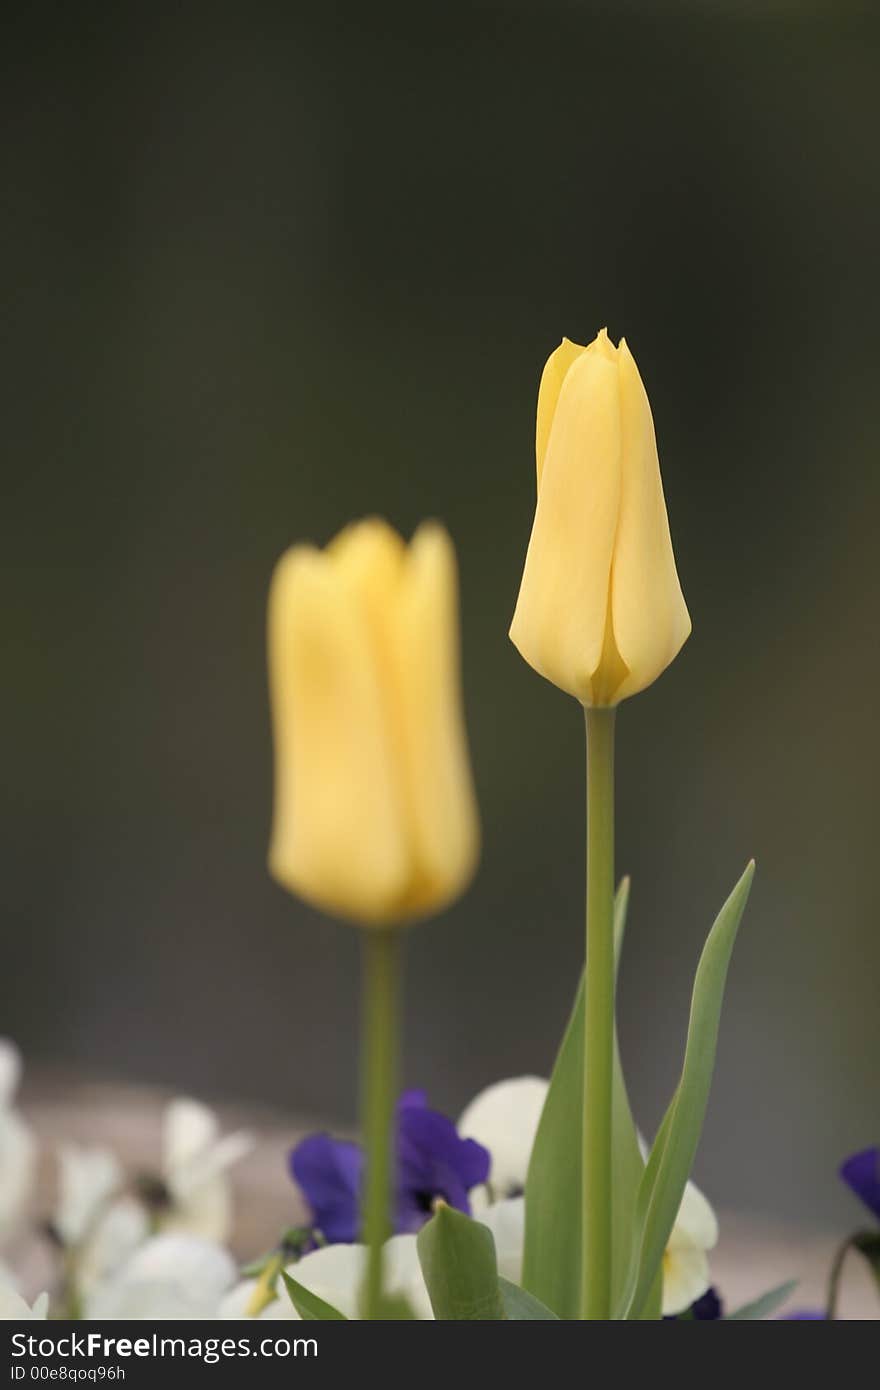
(560, 618)
(337, 836)
(604, 346)
(441, 809)
(368, 556)
(554, 373)
(648, 612)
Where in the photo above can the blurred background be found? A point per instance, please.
(272, 267)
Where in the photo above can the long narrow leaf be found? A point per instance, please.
(672, 1154)
(627, 1162)
(552, 1251)
(765, 1305)
(552, 1259)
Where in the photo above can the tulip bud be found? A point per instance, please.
(375, 814)
(600, 611)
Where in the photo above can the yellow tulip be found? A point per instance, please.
(600, 611)
(375, 814)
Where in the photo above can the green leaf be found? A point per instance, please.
(652, 1308)
(628, 1166)
(552, 1251)
(310, 1307)
(672, 1154)
(521, 1306)
(458, 1261)
(552, 1259)
(765, 1305)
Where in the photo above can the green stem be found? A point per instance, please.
(834, 1280)
(71, 1301)
(264, 1292)
(599, 1029)
(379, 1079)
(861, 1241)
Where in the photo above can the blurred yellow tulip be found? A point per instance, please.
(375, 813)
(600, 611)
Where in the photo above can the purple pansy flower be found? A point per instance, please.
(706, 1308)
(861, 1173)
(432, 1161)
(330, 1171)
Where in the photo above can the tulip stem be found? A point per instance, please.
(379, 1085)
(599, 1021)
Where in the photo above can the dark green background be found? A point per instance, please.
(269, 268)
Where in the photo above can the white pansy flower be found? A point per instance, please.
(98, 1225)
(335, 1273)
(13, 1308)
(88, 1180)
(504, 1119)
(170, 1276)
(102, 1225)
(17, 1145)
(686, 1274)
(116, 1235)
(195, 1162)
(507, 1222)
